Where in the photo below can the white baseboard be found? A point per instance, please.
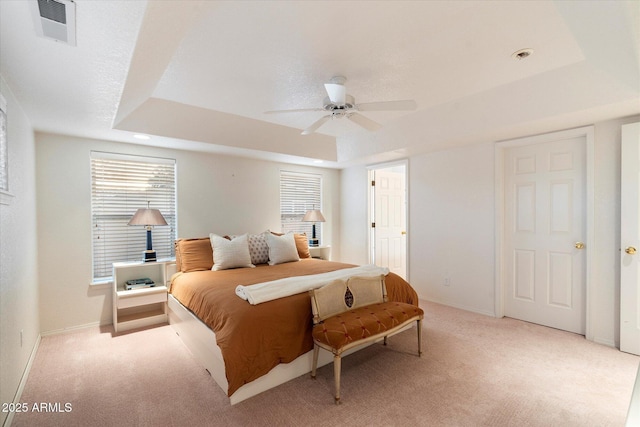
(602, 341)
(73, 328)
(23, 381)
(461, 307)
(596, 340)
(633, 416)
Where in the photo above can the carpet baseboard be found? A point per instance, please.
(23, 381)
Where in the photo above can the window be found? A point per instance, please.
(299, 193)
(119, 186)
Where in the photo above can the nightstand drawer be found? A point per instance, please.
(142, 297)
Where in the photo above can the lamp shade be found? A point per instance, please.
(147, 216)
(313, 215)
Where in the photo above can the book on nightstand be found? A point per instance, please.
(139, 283)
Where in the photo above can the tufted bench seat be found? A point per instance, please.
(350, 313)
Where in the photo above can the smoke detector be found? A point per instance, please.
(55, 19)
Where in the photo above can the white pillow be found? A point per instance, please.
(230, 253)
(281, 248)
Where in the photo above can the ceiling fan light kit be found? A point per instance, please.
(336, 90)
(339, 104)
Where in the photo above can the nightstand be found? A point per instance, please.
(322, 252)
(140, 307)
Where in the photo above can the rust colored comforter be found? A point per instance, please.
(255, 338)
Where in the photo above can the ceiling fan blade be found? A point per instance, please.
(366, 123)
(405, 105)
(300, 110)
(337, 93)
(316, 125)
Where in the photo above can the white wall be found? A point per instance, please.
(18, 254)
(451, 215)
(220, 194)
(451, 226)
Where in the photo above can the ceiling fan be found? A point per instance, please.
(339, 104)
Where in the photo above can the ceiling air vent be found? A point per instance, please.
(55, 19)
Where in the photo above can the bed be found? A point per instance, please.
(250, 348)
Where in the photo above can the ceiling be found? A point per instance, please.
(199, 75)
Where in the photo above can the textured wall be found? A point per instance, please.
(18, 254)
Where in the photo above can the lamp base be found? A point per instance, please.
(148, 256)
(314, 242)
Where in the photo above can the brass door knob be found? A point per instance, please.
(579, 245)
(403, 233)
(630, 250)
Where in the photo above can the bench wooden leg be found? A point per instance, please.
(316, 350)
(336, 373)
(419, 337)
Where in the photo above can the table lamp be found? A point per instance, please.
(314, 216)
(148, 217)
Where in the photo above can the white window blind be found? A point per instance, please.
(120, 185)
(299, 193)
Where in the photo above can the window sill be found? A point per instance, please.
(99, 284)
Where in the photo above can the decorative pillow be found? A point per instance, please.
(230, 253)
(281, 248)
(193, 254)
(302, 244)
(258, 248)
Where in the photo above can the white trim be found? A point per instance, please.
(99, 284)
(633, 416)
(454, 305)
(131, 157)
(500, 147)
(23, 380)
(73, 328)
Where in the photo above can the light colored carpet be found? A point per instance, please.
(475, 371)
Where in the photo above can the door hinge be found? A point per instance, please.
(373, 183)
(373, 225)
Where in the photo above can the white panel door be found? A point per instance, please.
(630, 240)
(390, 219)
(544, 229)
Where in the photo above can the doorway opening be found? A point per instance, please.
(388, 217)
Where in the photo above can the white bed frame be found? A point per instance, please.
(201, 341)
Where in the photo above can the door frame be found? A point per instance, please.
(499, 150)
(370, 208)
